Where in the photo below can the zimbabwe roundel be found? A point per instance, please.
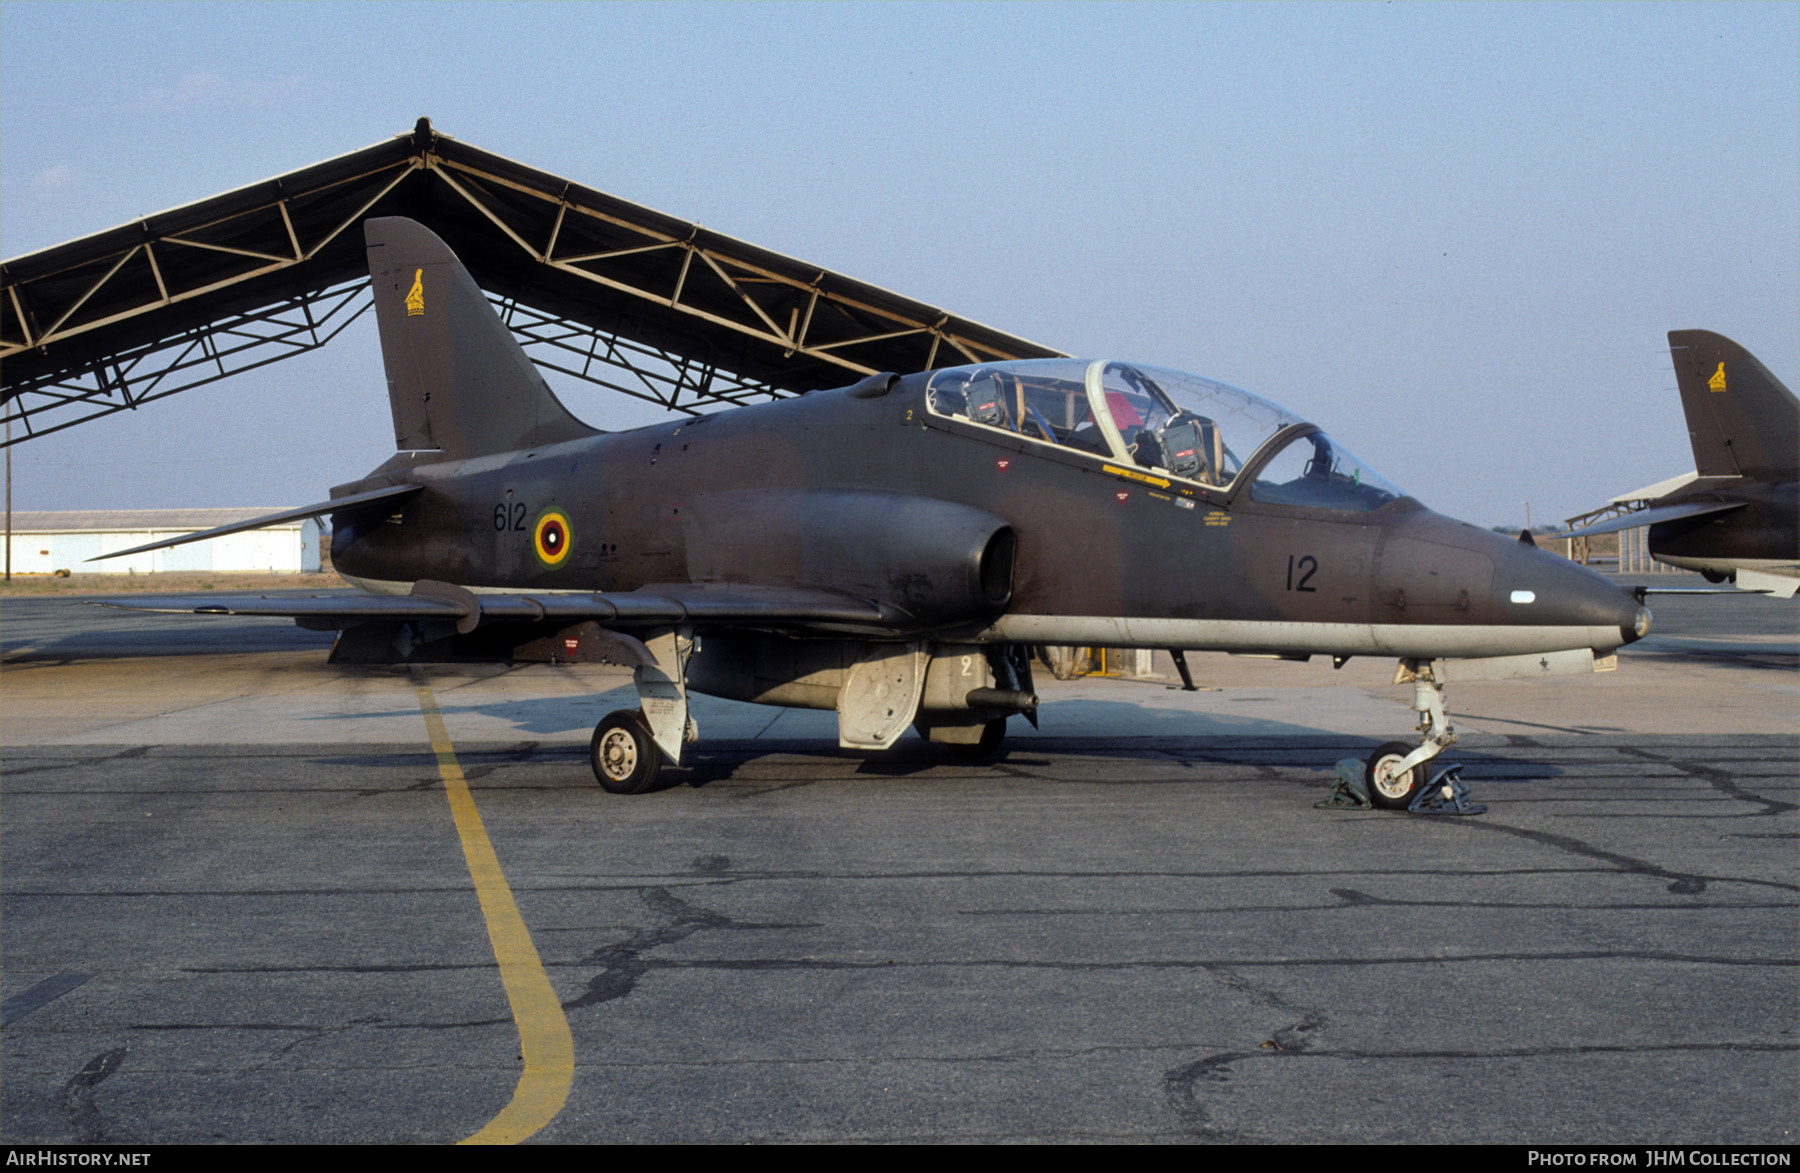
(552, 538)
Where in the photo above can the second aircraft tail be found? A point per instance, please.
(1743, 421)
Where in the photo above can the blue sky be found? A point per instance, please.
(1456, 235)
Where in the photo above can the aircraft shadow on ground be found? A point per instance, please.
(1108, 730)
(129, 636)
(913, 758)
(1740, 655)
(1105, 723)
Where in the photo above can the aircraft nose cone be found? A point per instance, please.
(1537, 587)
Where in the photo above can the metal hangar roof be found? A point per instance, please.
(647, 304)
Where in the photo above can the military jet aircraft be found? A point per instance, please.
(891, 550)
(1739, 516)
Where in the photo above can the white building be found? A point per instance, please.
(43, 543)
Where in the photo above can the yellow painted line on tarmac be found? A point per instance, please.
(544, 1039)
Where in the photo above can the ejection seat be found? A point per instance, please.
(1195, 449)
(987, 402)
(1147, 450)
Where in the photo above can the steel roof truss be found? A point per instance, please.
(220, 248)
(791, 342)
(655, 327)
(139, 375)
(19, 312)
(493, 218)
(92, 289)
(275, 262)
(661, 376)
(779, 333)
(356, 216)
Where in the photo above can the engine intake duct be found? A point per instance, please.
(938, 561)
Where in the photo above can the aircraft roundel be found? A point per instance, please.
(552, 538)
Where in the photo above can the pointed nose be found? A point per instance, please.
(1536, 587)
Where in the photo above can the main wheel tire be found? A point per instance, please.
(993, 735)
(623, 754)
(1389, 789)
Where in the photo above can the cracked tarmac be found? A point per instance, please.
(1141, 936)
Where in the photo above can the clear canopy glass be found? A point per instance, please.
(1189, 426)
(1167, 421)
(1042, 399)
(1316, 471)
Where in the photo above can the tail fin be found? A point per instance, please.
(458, 380)
(1742, 420)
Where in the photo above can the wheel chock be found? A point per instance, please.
(1348, 790)
(1445, 794)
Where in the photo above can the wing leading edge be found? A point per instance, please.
(390, 495)
(1653, 516)
(676, 604)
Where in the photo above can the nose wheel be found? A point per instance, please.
(1390, 786)
(624, 756)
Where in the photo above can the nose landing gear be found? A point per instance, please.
(1396, 772)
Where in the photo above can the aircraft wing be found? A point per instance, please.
(392, 494)
(1652, 516)
(650, 606)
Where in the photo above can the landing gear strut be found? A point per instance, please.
(1396, 772)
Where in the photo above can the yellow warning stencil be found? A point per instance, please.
(1133, 474)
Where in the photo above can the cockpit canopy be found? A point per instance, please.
(1170, 422)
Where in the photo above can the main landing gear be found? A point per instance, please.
(993, 735)
(625, 757)
(628, 746)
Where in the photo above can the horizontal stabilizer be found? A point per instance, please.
(393, 494)
(648, 607)
(1653, 516)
